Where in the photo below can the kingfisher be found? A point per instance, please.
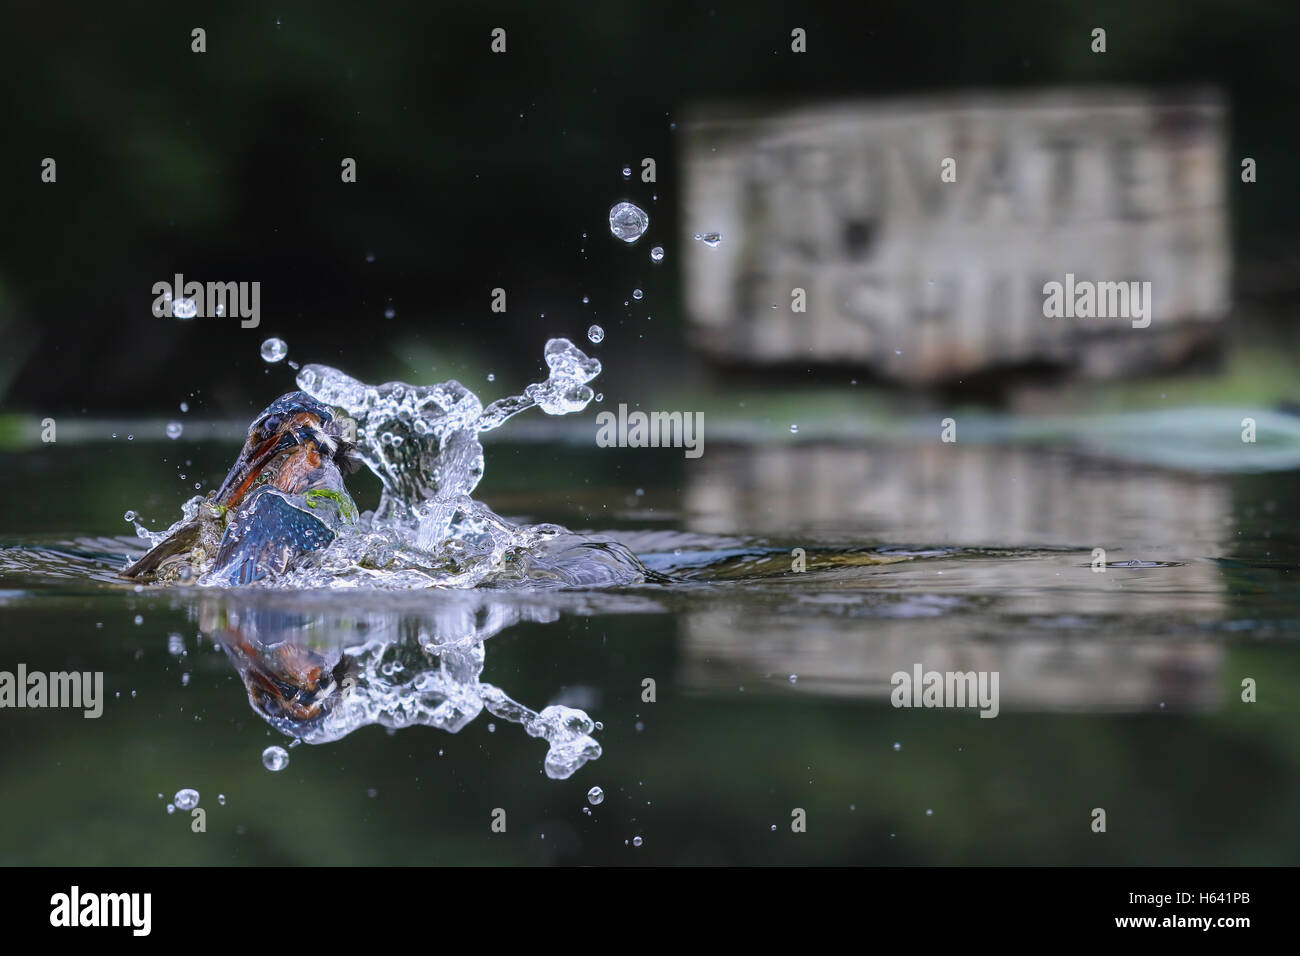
(283, 497)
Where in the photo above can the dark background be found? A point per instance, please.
(478, 170)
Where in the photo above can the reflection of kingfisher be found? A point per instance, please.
(283, 497)
(290, 683)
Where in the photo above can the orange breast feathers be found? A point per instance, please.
(298, 471)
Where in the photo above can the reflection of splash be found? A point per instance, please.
(318, 672)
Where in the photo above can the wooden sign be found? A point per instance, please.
(920, 238)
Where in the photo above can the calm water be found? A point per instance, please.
(1119, 689)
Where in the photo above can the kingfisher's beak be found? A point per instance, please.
(261, 449)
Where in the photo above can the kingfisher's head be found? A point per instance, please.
(293, 429)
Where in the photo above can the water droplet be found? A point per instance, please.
(221, 799)
(637, 293)
(492, 728)
(773, 827)
(897, 745)
(636, 841)
(710, 239)
(130, 516)
(794, 429)
(596, 334)
(794, 678)
(600, 396)
(275, 758)
(491, 377)
(186, 799)
(627, 172)
(174, 430)
(171, 808)
(273, 350)
(595, 796)
(390, 312)
(184, 309)
(139, 619)
(657, 254)
(628, 222)
(929, 813)
(585, 300)
(185, 406)
(185, 680)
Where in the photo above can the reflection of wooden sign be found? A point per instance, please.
(925, 279)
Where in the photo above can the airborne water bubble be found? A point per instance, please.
(637, 293)
(275, 758)
(657, 254)
(174, 430)
(274, 350)
(628, 222)
(184, 309)
(596, 334)
(186, 799)
(595, 796)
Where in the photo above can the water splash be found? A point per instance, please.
(421, 441)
